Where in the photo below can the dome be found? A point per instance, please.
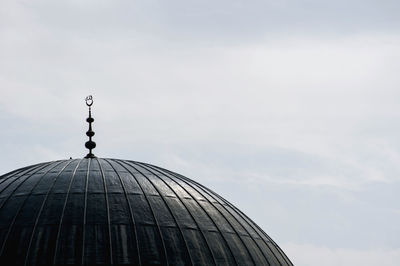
(110, 211)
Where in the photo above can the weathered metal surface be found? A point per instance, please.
(108, 211)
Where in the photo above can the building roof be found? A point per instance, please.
(110, 211)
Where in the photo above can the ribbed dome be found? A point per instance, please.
(108, 211)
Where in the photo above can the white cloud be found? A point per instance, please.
(310, 255)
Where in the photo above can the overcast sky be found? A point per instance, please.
(288, 109)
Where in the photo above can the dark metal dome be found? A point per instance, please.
(108, 211)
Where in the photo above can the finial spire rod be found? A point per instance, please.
(90, 133)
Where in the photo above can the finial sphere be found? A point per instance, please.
(89, 100)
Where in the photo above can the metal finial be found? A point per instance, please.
(89, 100)
(90, 133)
